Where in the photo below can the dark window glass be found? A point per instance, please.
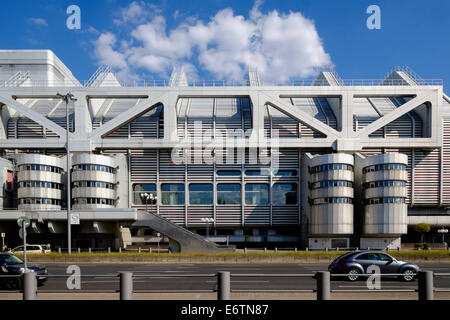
(201, 194)
(284, 193)
(261, 172)
(228, 193)
(257, 194)
(138, 193)
(286, 173)
(228, 173)
(172, 194)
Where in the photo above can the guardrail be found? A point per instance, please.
(223, 288)
(221, 83)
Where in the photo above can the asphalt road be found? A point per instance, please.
(104, 277)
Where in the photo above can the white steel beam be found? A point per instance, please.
(300, 116)
(127, 116)
(33, 115)
(397, 113)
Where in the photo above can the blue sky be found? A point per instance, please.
(194, 34)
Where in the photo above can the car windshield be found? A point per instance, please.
(9, 259)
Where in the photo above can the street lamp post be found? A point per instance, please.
(443, 232)
(147, 197)
(67, 98)
(208, 221)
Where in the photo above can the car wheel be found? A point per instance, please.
(13, 284)
(353, 274)
(408, 275)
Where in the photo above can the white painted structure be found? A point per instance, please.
(140, 123)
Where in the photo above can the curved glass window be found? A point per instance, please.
(284, 193)
(384, 200)
(331, 183)
(93, 167)
(40, 184)
(109, 202)
(328, 200)
(172, 194)
(201, 193)
(384, 166)
(384, 183)
(331, 166)
(55, 202)
(228, 193)
(257, 194)
(227, 173)
(261, 172)
(92, 184)
(39, 167)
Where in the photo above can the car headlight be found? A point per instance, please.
(21, 270)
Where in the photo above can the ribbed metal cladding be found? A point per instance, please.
(93, 181)
(446, 162)
(385, 192)
(40, 182)
(331, 194)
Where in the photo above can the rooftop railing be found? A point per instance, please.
(217, 83)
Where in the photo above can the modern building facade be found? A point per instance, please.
(322, 163)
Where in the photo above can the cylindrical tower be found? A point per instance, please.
(93, 181)
(331, 195)
(385, 210)
(40, 182)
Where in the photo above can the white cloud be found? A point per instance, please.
(280, 46)
(136, 12)
(38, 21)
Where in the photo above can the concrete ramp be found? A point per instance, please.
(181, 239)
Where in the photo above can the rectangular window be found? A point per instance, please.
(257, 194)
(139, 190)
(286, 173)
(228, 193)
(172, 194)
(284, 193)
(228, 173)
(201, 194)
(262, 172)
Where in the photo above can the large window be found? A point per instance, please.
(138, 193)
(228, 173)
(228, 193)
(284, 193)
(257, 194)
(201, 193)
(260, 172)
(286, 173)
(172, 194)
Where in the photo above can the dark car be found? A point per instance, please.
(356, 263)
(11, 265)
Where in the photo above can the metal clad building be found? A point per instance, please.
(337, 163)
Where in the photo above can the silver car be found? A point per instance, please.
(355, 263)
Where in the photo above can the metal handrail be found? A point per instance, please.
(226, 83)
